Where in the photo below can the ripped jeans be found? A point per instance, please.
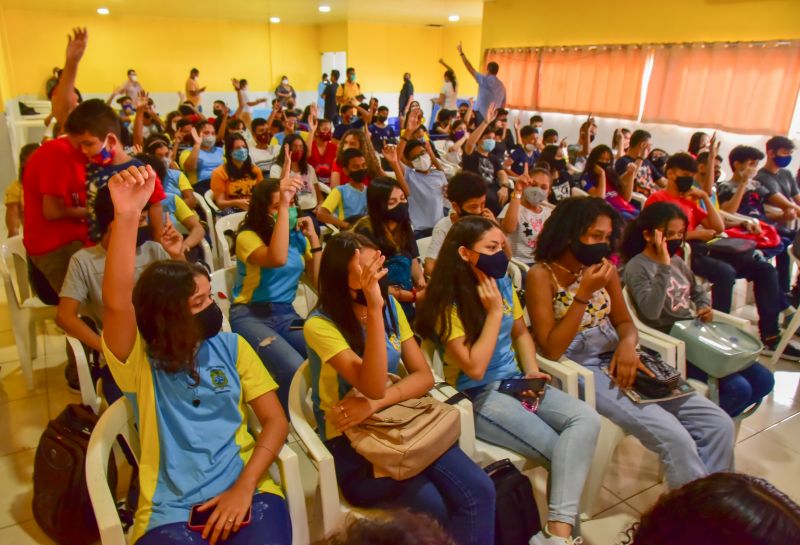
(266, 327)
(692, 436)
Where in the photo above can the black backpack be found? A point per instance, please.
(516, 517)
(61, 504)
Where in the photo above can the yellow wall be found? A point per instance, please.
(162, 51)
(381, 53)
(512, 23)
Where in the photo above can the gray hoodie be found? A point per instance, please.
(662, 294)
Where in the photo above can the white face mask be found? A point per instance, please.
(284, 81)
(422, 163)
(530, 147)
(134, 78)
(209, 141)
(167, 162)
(535, 195)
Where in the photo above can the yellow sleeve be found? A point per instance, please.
(340, 91)
(256, 380)
(402, 322)
(14, 193)
(274, 142)
(126, 373)
(517, 305)
(247, 242)
(307, 253)
(183, 183)
(182, 158)
(324, 338)
(456, 327)
(304, 136)
(182, 210)
(333, 203)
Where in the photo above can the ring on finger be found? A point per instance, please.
(344, 413)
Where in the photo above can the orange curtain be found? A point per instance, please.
(519, 72)
(746, 88)
(605, 81)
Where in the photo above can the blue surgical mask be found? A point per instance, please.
(782, 161)
(488, 145)
(240, 154)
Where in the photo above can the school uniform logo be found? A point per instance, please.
(394, 340)
(219, 380)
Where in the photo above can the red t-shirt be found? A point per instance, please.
(56, 169)
(322, 162)
(693, 212)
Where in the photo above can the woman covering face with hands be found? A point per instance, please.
(356, 336)
(274, 248)
(472, 313)
(578, 311)
(162, 342)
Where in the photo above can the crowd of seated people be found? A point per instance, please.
(110, 221)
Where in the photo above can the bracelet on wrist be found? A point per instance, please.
(317, 249)
(413, 295)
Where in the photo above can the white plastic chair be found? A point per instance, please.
(209, 219)
(422, 246)
(208, 255)
(209, 198)
(119, 421)
(221, 291)
(227, 223)
(90, 396)
(25, 308)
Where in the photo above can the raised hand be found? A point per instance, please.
(491, 112)
(390, 153)
(131, 189)
(517, 123)
(414, 121)
(369, 277)
(289, 189)
(143, 101)
(235, 83)
(195, 137)
(460, 49)
(76, 44)
(172, 240)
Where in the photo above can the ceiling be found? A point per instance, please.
(289, 11)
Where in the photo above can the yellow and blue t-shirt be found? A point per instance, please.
(177, 208)
(176, 182)
(346, 201)
(324, 341)
(191, 453)
(503, 364)
(256, 284)
(207, 161)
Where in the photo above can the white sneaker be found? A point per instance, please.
(544, 538)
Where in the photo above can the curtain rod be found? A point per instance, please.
(605, 47)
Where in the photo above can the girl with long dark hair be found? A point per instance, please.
(388, 225)
(274, 248)
(232, 182)
(472, 312)
(355, 337)
(577, 310)
(599, 179)
(663, 290)
(309, 197)
(193, 385)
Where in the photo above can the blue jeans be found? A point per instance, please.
(739, 391)
(269, 525)
(266, 327)
(692, 436)
(562, 433)
(453, 490)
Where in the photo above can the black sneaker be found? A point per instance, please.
(790, 353)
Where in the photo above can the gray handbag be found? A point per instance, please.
(717, 348)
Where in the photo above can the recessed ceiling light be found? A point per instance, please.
(454, 18)
(103, 11)
(324, 9)
(274, 19)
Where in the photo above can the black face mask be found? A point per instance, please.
(380, 118)
(143, 234)
(590, 254)
(673, 246)
(361, 299)
(358, 175)
(659, 162)
(210, 320)
(493, 266)
(684, 183)
(399, 213)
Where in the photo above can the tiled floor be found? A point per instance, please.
(769, 445)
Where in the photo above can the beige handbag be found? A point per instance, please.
(403, 440)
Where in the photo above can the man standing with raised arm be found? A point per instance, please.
(490, 88)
